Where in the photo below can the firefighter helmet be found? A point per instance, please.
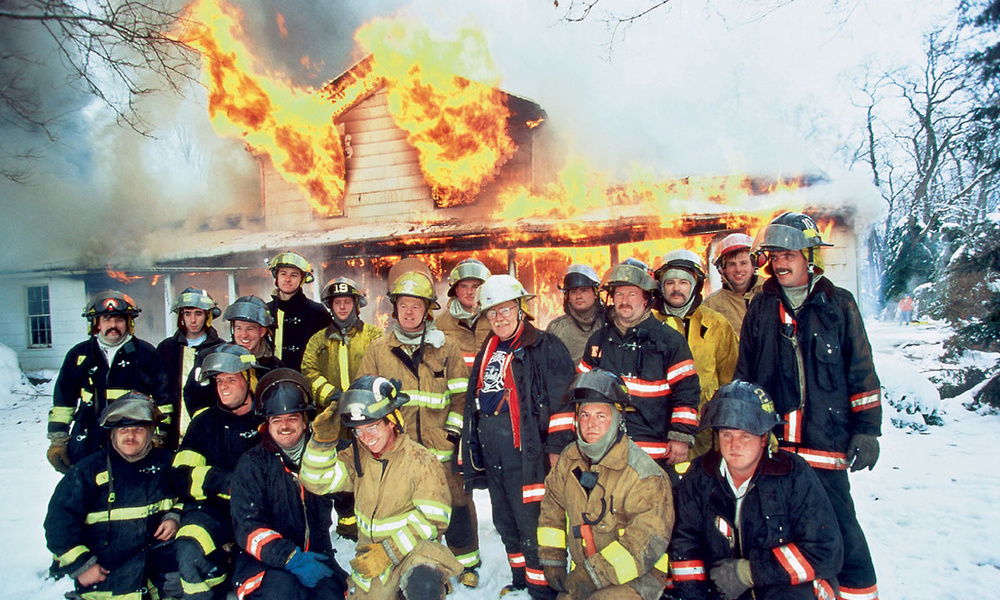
(498, 289)
(789, 231)
(226, 358)
(629, 272)
(344, 286)
(249, 308)
(415, 284)
(741, 405)
(598, 385)
(281, 392)
(370, 399)
(734, 242)
(132, 409)
(579, 276)
(291, 259)
(469, 268)
(196, 298)
(408, 265)
(682, 259)
(111, 302)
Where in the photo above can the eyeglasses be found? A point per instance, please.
(503, 312)
(365, 431)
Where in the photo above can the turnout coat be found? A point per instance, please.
(542, 370)
(787, 530)
(633, 508)
(816, 364)
(272, 514)
(733, 306)
(401, 497)
(179, 360)
(295, 321)
(106, 510)
(469, 339)
(330, 364)
(657, 366)
(87, 384)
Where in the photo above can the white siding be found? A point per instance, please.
(67, 298)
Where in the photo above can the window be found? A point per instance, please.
(39, 319)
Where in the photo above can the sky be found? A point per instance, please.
(696, 87)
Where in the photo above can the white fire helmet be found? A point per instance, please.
(498, 289)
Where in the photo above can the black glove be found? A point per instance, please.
(862, 451)
(579, 585)
(555, 576)
(732, 577)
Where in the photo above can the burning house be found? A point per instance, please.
(406, 162)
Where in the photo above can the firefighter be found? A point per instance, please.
(461, 321)
(213, 444)
(434, 376)
(709, 334)
(584, 314)
(740, 280)
(281, 529)
(331, 362)
(250, 327)
(111, 520)
(401, 490)
(606, 502)
(752, 522)
(332, 356)
(804, 342)
(515, 425)
(96, 372)
(195, 311)
(296, 318)
(655, 362)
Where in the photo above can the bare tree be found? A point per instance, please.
(114, 51)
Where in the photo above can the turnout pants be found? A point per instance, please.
(462, 535)
(279, 584)
(204, 556)
(857, 577)
(515, 520)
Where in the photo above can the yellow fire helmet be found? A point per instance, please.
(415, 284)
(291, 259)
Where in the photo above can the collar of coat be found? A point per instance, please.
(778, 464)
(756, 283)
(297, 299)
(211, 335)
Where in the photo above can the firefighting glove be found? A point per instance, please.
(556, 576)
(373, 559)
(326, 427)
(862, 451)
(579, 584)
(307, 567)
(58, 454)
(732, 577)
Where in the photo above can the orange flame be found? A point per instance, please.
(458, 126)
(291, 125)
(122, 276)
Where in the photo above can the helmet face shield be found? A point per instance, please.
(578, 276)
(369, 399)
(743, 406)
(196, 298)
(469, 268)
(227, 358)
(249, 308)
(281, 392)
(291, 259)
(344, 286)
(628, 274)
(133, 409)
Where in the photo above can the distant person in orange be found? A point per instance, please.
(906, 310)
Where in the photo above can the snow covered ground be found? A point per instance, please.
(927, 508)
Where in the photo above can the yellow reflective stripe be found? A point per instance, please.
(129, 513)
(454, 420)
(166, 409)
(114, 393)
(345, 381)
(70, 555)
(434, 511)
(61, 414)
(324, 470)
(111, 596)
(202, 586)
(405, 540)
(468, 560)
(442, 455)
(552, 537)
(663, 563)
(198, 475)
(279, 337)
(427, 399)
(189, 458)
(458, 385)
(199, 535)
(623, 563)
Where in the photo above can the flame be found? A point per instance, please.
(458, 126)
(122, 276)
(291, 125)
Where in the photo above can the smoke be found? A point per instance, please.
(725, 87)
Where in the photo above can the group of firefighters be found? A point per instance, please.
(650, 443)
